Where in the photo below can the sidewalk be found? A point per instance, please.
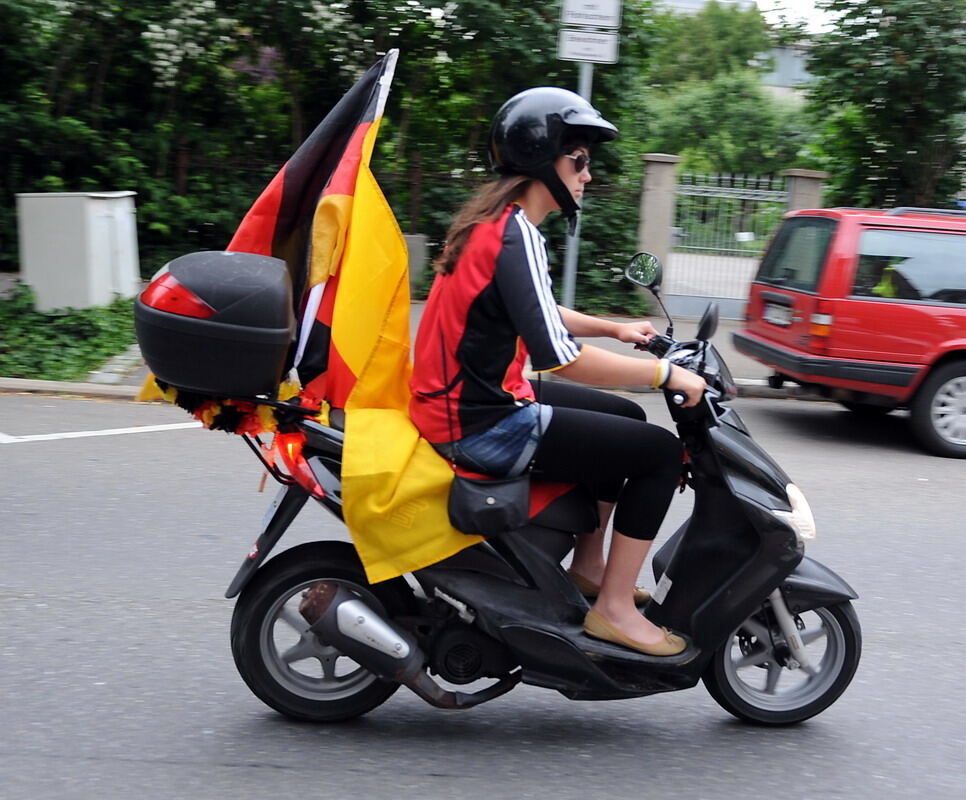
(122, 377)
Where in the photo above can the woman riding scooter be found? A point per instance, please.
(491, 306)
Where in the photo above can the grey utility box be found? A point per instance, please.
(78, 249)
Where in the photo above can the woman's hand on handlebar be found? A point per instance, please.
(634, 332)
(689, 384)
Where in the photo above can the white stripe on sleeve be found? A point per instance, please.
(563, 345)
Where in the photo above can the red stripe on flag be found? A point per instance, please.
(343, 180)
(340, 380)
(257, 229)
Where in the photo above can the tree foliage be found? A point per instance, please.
(890, 98)
(704, 99)
(195, 104)
(717, 40)
(728, 125)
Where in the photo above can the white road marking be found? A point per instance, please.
(43, 437)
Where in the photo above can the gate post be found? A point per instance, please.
(805, 188)
(657, 204)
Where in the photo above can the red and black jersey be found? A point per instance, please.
(480, 324)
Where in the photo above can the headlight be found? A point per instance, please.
(800, 518)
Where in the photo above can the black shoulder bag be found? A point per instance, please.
(485, 506)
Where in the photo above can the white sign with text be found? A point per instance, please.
(597, 48)
(592, 13)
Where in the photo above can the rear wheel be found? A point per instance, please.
(748, 677)
(285, 665)
(867, 409)
(939, 411)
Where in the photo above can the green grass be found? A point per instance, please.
(61, 345)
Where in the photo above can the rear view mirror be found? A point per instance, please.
(709, 323)
(645, 270)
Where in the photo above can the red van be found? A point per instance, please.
(868, 308)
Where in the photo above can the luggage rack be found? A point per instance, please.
(948, 212)
(257, 445)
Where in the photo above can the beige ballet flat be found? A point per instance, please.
(597, 626)
(590, 589)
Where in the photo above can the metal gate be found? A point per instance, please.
(721, 226)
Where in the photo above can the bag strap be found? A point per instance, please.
(449, 407)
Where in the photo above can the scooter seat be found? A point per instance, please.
(567, 507)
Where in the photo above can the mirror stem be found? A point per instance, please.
(670, 324)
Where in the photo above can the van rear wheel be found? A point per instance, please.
(868, 410)
(939, 411)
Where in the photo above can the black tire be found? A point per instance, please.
(739, 694)
(318, 684)
(868, 410)
(938, 412)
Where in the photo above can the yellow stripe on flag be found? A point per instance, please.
(329, 225)
(395, 486)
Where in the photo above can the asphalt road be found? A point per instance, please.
(116, 679)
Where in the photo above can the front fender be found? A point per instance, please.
(813, 585)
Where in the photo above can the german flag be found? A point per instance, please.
(303, 217)
(325, 215)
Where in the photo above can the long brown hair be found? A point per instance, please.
(485, 205)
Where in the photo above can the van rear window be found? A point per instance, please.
(912, 265)
(797, 253)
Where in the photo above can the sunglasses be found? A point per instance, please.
(581, 162)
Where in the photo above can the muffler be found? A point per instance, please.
(343, 620)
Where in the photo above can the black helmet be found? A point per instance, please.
(529, 132)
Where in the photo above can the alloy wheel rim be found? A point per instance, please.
(754, 673)
(298, 660)
(948, 411)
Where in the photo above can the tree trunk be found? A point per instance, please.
(415, 190)
(97, 91)
(182, 164)
(296, 116)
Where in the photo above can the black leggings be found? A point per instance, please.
(602, 440)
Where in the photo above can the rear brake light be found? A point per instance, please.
(289, 448)
(821, 325)
(165, 293)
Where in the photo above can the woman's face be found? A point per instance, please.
(574, 170)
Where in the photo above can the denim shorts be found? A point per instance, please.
(506, 449)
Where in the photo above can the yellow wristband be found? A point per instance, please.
(662, 371)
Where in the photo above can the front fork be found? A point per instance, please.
(786, 624)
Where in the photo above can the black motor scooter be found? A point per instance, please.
(772, 633)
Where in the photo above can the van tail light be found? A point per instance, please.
(289, 449)
(820, 327)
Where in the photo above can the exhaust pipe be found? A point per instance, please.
(343, 620)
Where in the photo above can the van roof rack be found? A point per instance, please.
(955, 212)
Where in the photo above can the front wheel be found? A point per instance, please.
(747, 675)
(285, 665)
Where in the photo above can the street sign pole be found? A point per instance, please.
(586, 81)
(587, 47)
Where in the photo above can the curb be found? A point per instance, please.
(30, 386)
(747, 387)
